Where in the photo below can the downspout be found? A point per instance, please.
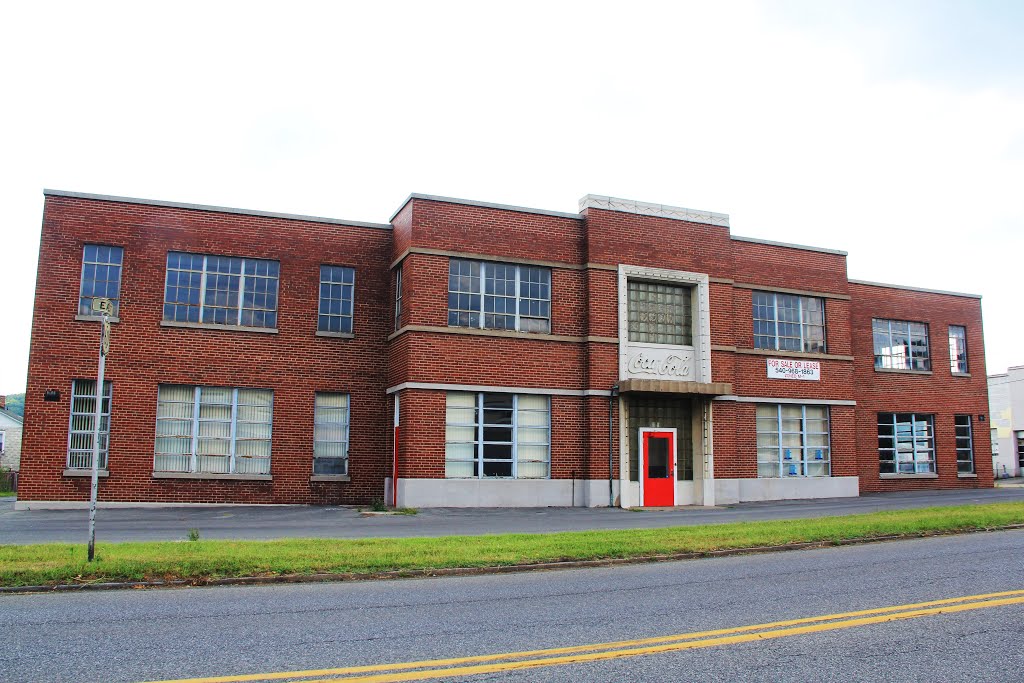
(611, 444)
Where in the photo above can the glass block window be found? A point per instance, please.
(398, 297)
(101, 277)
(660, 313)
(337, 285)
(664, 413)
(906, 443)
(792, 441)
(217, 430)
(900, 345)
(958, 349)
(221, 290)
(83, 422)
(499, 296)
(330, 433)
(497, 435)
(787, 322)
(964, 445)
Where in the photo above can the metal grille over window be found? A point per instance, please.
(958, 349)
(101, 277)
(499, 296)
(330, 434)
(792, 441)
(221, 290)
(337, 285)
(660, 313)
(83, 422)
(215, 430)
(787, 322)
(906, 443)
(964, 445)
(497, 435)
(900, 345)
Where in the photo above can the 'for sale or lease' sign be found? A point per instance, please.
(779, 368)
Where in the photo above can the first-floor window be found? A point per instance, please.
(215, 430)
(906, 443)
(964, 445)
(792, 441)
(330, 434)
(497, 435)
(83, 422)
(1020, 450)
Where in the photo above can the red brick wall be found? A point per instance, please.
(940, 393)
(294, 362)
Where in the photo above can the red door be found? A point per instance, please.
(659, 450)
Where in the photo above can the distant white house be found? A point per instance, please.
(1006, 405)
(10, 437)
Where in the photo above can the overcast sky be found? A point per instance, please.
(892, 130)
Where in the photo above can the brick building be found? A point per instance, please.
(632, 354)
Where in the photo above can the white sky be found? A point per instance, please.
(893, 130)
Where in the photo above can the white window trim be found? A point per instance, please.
(484, 265)
(479, 442)
(104, 452)
(195, 419)
(802, 324)
(241, 292)
(780, 457)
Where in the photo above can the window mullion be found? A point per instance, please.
(241, 294)
(195, 427)
(800, 319)
(202, 291)
(234, 429)
(778, 345)
(479, 455)
(483, 297)
(515, 432)
(516, 304)
(778, 424)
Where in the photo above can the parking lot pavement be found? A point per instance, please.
(303, 521)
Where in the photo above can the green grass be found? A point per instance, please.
(200, 560)
(4, 494)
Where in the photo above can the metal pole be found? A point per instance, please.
(97, 417)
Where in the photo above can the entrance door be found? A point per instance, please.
(659, 479)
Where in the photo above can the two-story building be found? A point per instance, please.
(473, 354)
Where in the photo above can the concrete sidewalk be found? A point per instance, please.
(300, 521)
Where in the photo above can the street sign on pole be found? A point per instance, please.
(105, 308)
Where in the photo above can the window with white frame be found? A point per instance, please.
(101, 277)
(398, 297)
(659, 313)
(788, 322)
(964, 445)
(995, 442)
(214, 430)
(221, 290)
(3, 436)
(958, 349)
(906, 443)
(499, 296)
(900, 345)
(792, 441)
(497, 435)
(330, 433)
(83, 422)
(337, 285)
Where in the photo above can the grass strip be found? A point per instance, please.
(62, 563)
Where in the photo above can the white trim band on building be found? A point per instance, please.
(434, 386)
(793, 401)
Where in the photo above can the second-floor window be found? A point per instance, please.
(660, 313)
(499, 296)
(336, 292)
(900, 345)
(788, 322)
(958, 349)
(221, 290)
(101, 277)
(398, 297)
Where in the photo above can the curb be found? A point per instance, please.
(479, 571)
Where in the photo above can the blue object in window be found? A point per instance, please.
(817, 455)
(787, 456)
(792, 469)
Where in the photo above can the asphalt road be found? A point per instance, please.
(301, 521)
(202, 632)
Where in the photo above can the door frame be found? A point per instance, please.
(643, 459)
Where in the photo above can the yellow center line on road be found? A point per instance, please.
(440, 668)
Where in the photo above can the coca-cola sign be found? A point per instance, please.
(659, 363)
